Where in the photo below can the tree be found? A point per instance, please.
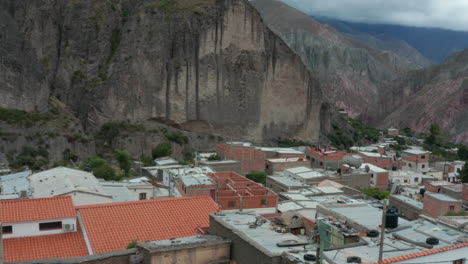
(464, 173)
(257, 176)
(214, 157)
(463, 152)
(408, 132)
(162, 150)
(376, 193)
(105, 172)
(434, 137)
(132, 244)
(124, 160)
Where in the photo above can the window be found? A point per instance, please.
(7, 229)
(321, 163)
(416, 179)
(267, 166)
(423, 156)
(231, 204)
(142, 196)
(406, 181)
(458, 261)
(50, 226)
(264, 202)
(452, 208)
(409, 164)
(423, 166)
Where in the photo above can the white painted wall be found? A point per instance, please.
(266, 210)
(28, 229)
(83, 198)
(137, 190)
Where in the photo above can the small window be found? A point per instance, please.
(142, 196)
(423, 166)
(7, 229)
(267, 166)
(416, 179)
(409, 164)
(452, 208)
(406, 181)
(50, 226)
(231, 204)
(264, 202)
(423, 156)
(321, 163)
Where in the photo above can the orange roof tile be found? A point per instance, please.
(112, 226)
(422, 253)
(66, 245)
(23, 210)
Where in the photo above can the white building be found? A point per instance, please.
(406, 177)
(84, 188)
(37, 217)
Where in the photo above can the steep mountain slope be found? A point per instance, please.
(351, 74)
(378, 41)
(210, 61)
(433, 43)
(438, 94)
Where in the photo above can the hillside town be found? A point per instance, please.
(243, 203)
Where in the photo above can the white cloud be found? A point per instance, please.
(448, 14)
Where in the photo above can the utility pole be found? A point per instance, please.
(382, 231)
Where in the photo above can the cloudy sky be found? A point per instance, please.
(447, 14)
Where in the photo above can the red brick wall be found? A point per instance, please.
(431, 188)
(435, 207)
(251, 159)
(290, 155)
(382, 181)
(384, 163)
(281, 166)
(417, 158)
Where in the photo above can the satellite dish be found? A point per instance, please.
(367, 168)
(353, 161)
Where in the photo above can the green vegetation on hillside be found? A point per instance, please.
(34, 158)
(19, 117)
(355, 133)
(124, 160)
(163, 149)
(290, 143)
(439, 145)
(101, 169)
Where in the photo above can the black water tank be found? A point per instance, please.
(353, 259)
(432, 241)
(372, 233)
(391, 218)
(422, 191)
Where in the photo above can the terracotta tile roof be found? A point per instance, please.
(24, 210)
(112, 226)
(66, 245)
(422, 253)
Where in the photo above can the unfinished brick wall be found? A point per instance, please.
(435, 207)
(383, 162)
(251, 159)
(382, 181)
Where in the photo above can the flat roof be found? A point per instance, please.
(328, 189)
(280, 150)
(196, 179)
(263, 237)
(373, 168)
(183, 243)
(291, 159)
(409, 200)
(363, 214)
(440, 183)
(374, 154)
(300, 169)
(416, 151)
(288, 181)
(442, 197)
(311, 174)
(210, 162)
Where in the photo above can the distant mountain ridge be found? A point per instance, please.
(433, 43)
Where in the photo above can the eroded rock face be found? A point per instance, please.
(23, 84)
(352, 75)
(206, 60)
(438, 94)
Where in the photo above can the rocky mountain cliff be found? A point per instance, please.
(378, 41)
(351, 73)
(175, 61)
(438, 94)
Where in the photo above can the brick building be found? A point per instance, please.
(325, 158)
(408, 208)
(436, 186)
(438, 204)
(393, 131)
(271, 153)
(280, 164)
(235, 192)
(416, 160)
(223, 165)
(196, 185)
(378, 159)
(251, 159)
